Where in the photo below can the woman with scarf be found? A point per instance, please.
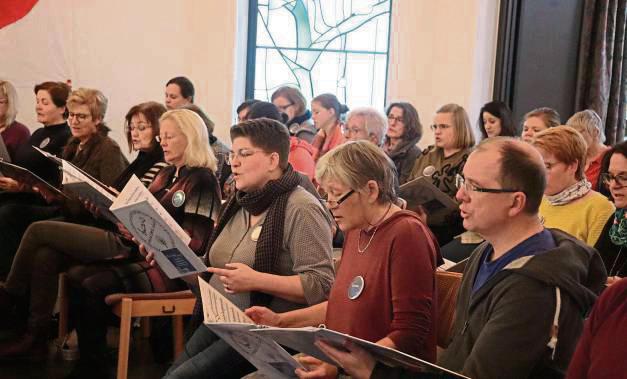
(404, 132)
(569, 203)
(612, 245)
(291, 101)
(271, 246)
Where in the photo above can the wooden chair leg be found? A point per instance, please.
(145, 326)
(63, 308)
(125, 335)
(177, 325)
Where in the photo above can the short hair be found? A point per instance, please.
(269, 135)
(7, 90)
(589, 121)
(265, 109)
(152, 111)
(198, 152)
(411, 120)
(464, 138)
(205, 118)
(186, 86)
(93, 98)
(330, 101)
(59, 93)
(355, 163)
(519, 170)
(374, 122)
(246, 104)
(549, 116)
(294, 96)
(566, 144)
(501, 111)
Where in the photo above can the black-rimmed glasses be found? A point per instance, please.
(332, 204)
(460, 182)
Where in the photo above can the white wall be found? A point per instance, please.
(441, 51)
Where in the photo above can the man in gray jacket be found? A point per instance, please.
(525, 290)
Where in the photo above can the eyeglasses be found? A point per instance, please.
(439, 126)
(78, 116)
(620, 179)
(352, 131)
(165, 138)
(241, 154)
(283, 108)
(138, 127)
(332, 204)
(460, 182)
(394, 118)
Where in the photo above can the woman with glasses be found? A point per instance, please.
(326, 113)
(569, 203)
(384, 291)
(404, 132)
(290, 100)
(271, 246)
(13, 133)
(612, 244)
(495, 119)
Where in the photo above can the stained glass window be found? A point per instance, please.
(320, 46)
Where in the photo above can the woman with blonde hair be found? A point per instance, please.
(13, 133)
(569, 203)
(538, 120)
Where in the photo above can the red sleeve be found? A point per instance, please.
(302, 161)
(413, 285)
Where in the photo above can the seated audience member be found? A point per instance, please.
(301, 152)
(589, 124)
(602, 349)
(89, 149)
(291, 101)
(179, 91)
(244, 108)
(365, 124)
(284, 265)
(495, 119)
(568, 203)
(525, 291)
(44, 252)
(384, 291)
(612, 244)
(538, 120)
(184, 139)
(13, 133)
(404, 132)
(326, 111)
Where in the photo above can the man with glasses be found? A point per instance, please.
(526, 289)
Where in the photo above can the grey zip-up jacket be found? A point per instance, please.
(526, 320)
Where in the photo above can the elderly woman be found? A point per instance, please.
(590, 125)
(495, 119)
(404, 132)
(569, 204)
(179, 91)
(612, 244)
(538, 120)
(384, 291)
(42, 254)
(271, 246)
(291, 101)
(365, 124)
(326, 113)
(13, 133)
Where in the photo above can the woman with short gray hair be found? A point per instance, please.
(590, 126)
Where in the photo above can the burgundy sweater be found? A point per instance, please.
(399, 296)
(14, 136)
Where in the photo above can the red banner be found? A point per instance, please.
(13, 10)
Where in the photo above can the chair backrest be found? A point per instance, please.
(447, 284)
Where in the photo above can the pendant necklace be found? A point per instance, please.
(359, 249)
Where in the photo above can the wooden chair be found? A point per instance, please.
(129, 305)
(447, 284)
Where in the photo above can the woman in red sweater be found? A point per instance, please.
(384, 290)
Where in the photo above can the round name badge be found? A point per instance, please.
(256, 233)
(44, 143)
(356, 287)
(178, 198)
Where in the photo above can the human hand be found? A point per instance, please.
(124, 232)
(10, 185)
(148, 255)
(357, 362)
(236, 277)
(92, 208)
(263, 316)
(611, 280)
(315, 369)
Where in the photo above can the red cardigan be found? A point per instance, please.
(14, 136)
(399, 297)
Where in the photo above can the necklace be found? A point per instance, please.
(376, 227)
(612, 272)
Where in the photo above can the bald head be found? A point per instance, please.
(521, 167)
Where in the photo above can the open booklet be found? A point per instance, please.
(302, 339)
(234, 327)
(29, 179)
(421, 191)
(147, 220)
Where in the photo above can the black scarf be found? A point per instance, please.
(300, 119)
(144, 162)
(272, 197)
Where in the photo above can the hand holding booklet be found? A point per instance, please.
(147, 220)
(421, 191)
(29, 179)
